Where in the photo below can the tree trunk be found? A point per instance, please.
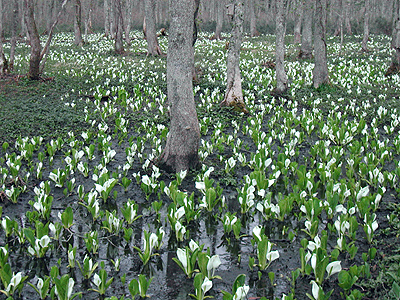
(306, 37)
(366, 26)
(46, 48)
(252, 8)
(234, 93)
(88, 19)
(3, 60)
(339, 17)
(14, 26)
(36, 47)
(320, 74)
(77, 23)
(112, 19)
(128, 21)
(24, 30)
(347, 16)
(219, 17)
(151, 35)
(396, 15)
(107, 29)
(38, 56)
(281, 78)
(340, 24)
(50, 7)
(397, 45)
(298, 20)
(396, 42)
(118, 26)
(181, 149)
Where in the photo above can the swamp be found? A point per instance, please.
(298, 199)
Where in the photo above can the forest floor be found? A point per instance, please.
(317, 172)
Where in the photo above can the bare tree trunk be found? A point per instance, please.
(36, 47)
(339, 17)
(77, 23)
(112, 19)
(46, 48)
(88, 19)
(234, 93)
(128, 21)
(298, 20)
(347, 8)
(151, 35)
(320, 74)
(38, 56)
(24, 30)
(14, 26)
(3, 60)
(107, 29)
(50, 7)
(306, 37)
(395, 66)
(219, 17)
(366, 26)
(181, 149)
(196, 10)
(340, 24)
(396, 15)
(119, 27)
(252, 8)
(281, 78)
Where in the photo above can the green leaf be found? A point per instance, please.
(227, 296)
(202, 262)
(345, 280)
(30, 236)
(239, 281)
(6, 275)
(67, 217)
(133, 288)
(396, 290)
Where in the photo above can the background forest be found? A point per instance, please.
(259, 15)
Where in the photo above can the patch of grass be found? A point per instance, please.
(38, 109)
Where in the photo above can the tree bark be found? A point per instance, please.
(24, 30)
(396, 42)
(339, 17)
(78, 23)
(347, 8)
(281, 78)
(366, 26)
(36, 47)
(14, 26)
(306, 47)
(38, 55)
(45, 51)
(112, 19)
(107, 29)
(234, 93)
(253, 28)
(219, 17)
(320, 73)
(50, 7)
(396, 16)
(88, 19)
(3, 60)
(181, 149)
(298, 20)
(128, 21)
(153, 48)
(118, 26)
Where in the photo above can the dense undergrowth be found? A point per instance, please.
(300, 196)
